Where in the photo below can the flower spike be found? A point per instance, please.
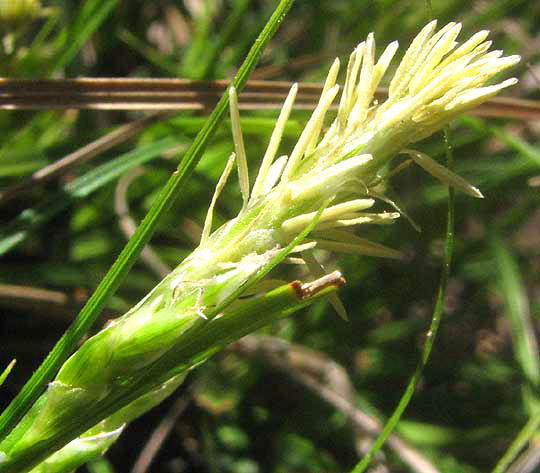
(435, 81)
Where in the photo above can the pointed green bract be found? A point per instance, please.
(6, 372)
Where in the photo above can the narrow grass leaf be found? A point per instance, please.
(91, 15)
(524, 340)
(6, 371)
(18, 230)
(524, 436)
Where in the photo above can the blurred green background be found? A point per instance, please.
(482, 385)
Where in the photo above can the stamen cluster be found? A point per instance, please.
(435, 81)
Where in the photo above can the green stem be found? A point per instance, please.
(118, 271)
(432, 332)
(529, 429)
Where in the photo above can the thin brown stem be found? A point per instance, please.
(159, 435)
(182, 94)
(40, 300)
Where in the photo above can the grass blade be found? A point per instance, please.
(32, 389)
(523, 338)
(529, 429)
(6, 372)
(19, 228)
(524, 344)
(91, 16)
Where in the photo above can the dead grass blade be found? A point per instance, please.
(182, 94)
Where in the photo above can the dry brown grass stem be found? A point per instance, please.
(182, 94)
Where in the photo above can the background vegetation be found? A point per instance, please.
(243, 414)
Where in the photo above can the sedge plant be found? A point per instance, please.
(331, 183)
